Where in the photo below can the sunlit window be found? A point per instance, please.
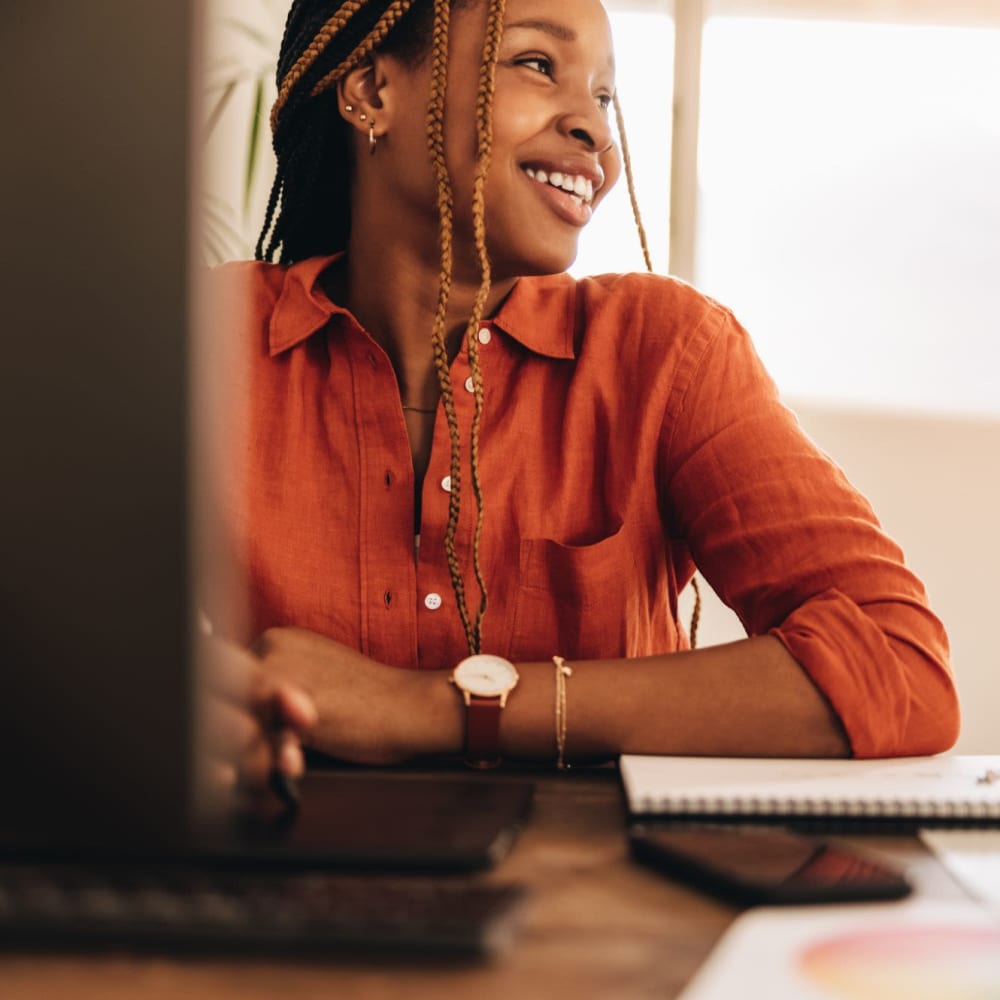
(644, 46)
(850, 208)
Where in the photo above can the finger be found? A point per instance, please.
(228, 731)
(293, 707)
(255, 767)
(288, 754)
(235, 674)
(228, 670)
(235, 736)
(221, 775)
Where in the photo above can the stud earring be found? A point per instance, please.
(348, 108)
(363, 117)
(372, 141)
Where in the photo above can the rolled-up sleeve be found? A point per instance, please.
(797, 552)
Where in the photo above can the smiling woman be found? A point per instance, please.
(451, 449)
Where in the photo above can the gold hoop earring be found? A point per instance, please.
(372, 141)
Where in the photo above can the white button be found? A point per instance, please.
(432, 602)
(470, 386)
(484, 335)
(446, 484)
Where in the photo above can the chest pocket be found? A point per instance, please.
(577, 601)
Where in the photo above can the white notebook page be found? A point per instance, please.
(960, 786)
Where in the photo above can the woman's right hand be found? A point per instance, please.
(252, 722)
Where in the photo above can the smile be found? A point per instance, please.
(581, 189)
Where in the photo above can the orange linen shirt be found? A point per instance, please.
(630, 433)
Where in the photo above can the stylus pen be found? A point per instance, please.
(285, 787)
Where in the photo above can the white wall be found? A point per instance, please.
(935, 484)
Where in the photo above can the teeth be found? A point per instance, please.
(580, 187)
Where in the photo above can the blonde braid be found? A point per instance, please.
(484, 152)
(627, 159)
(372, 40)
(435, 142)
(312, 53)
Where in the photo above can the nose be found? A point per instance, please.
(589, 128)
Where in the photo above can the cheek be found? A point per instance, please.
(611, 164)
(514, 118)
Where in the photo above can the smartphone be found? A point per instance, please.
(763, 864)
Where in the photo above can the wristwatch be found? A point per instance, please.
(485, 682)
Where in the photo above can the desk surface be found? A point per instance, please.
(595, 926)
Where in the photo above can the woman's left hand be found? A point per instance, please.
(369, 713)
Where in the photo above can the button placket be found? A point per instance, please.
(436, 610)
(389, 626)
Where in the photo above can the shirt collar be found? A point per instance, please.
(302, 307)
(540, 313)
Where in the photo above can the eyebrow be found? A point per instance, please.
(559, 31)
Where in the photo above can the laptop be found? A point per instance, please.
(96, 504)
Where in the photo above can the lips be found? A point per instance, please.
(567, 185)
(576, 185)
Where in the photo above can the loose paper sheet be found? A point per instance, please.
(973, 857)
(914, 950)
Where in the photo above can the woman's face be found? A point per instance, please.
(553, 155)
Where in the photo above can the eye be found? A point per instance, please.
(540, 64)
(604, 101)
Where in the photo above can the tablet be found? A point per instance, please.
(402, 821)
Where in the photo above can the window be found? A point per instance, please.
(849, 210)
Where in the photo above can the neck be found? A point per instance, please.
(391, 286)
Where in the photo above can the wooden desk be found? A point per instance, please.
(595, 926)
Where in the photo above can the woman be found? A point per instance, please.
(453, 448)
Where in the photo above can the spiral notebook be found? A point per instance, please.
(950, 789)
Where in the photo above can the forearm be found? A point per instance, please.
(747, 698)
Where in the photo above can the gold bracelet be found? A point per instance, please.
(562, 672)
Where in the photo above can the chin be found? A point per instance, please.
(535, 263)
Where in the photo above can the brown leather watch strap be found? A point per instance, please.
(482, 732)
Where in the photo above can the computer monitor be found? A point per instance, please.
(95, 178)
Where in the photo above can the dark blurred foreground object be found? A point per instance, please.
(94, 566)
(183, 908)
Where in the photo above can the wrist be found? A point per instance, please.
(436, 715)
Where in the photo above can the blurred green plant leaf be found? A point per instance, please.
(253, 144)
(245, 56)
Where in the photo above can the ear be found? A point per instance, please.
(363, 90)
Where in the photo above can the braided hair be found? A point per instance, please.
(308, 211)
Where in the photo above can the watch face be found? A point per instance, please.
(485, 675)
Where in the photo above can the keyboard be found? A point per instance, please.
(171, 907)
